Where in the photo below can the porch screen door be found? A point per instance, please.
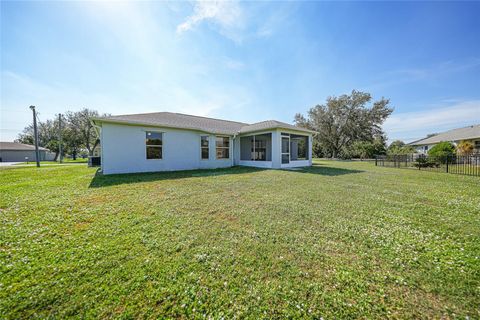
(285, 149)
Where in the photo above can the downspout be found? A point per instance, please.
(233, 149)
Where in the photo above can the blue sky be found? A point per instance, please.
(245, 61)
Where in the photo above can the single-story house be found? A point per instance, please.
(165, 141)
(456, 136)
(19, 152)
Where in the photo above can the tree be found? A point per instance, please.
(442, 150)
(344, 120)
(399, 147)
(47, 136)
(80, 124)
(396, 144)
(73, 140)
(77, 131)
(465, 148)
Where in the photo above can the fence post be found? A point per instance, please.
(376, 159)
(447, 163)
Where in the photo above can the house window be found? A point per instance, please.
(153, 144)
(222, 147)
(204, 147)
(477, 145)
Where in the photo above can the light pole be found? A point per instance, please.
(35, 133)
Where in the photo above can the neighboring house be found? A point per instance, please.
(471, 134)
(167, 141)
(97, 151)
(19, 152)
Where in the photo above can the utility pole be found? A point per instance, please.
(35, 133)
(60, 141)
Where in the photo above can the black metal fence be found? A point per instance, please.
(456, 164)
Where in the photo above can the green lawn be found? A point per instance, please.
(66, 161)
(338, 240)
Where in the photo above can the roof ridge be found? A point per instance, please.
(177, 113)
(259, 122)
(191, 115)
(469, 126)
(271, 120)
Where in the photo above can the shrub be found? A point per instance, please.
(364, 149)
(442, 151)
(465, 148)
(424, 162)
(399, 147)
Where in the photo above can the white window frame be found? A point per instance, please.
(207, 147)
(228, 148)
(153, 145)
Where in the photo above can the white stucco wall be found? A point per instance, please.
(123, 150)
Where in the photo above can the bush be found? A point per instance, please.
(363, 149)
(398, 147)
(442, 151)
(465, 148)
(424, 162)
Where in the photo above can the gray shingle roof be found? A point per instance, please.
(470, 132)
(18, 146)
(270, 124)
(185, 121)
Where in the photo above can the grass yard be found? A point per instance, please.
(338, 240)
(64, 161)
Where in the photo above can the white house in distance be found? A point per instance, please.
(456, 136)
(165, 141)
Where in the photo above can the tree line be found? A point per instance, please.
(78, 133)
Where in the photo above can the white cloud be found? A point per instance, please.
(233, 64)
(416, 125)
(276, 20)
(227, 15)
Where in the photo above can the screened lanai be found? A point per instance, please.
(274, 149)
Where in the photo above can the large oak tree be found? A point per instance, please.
(344, 120)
